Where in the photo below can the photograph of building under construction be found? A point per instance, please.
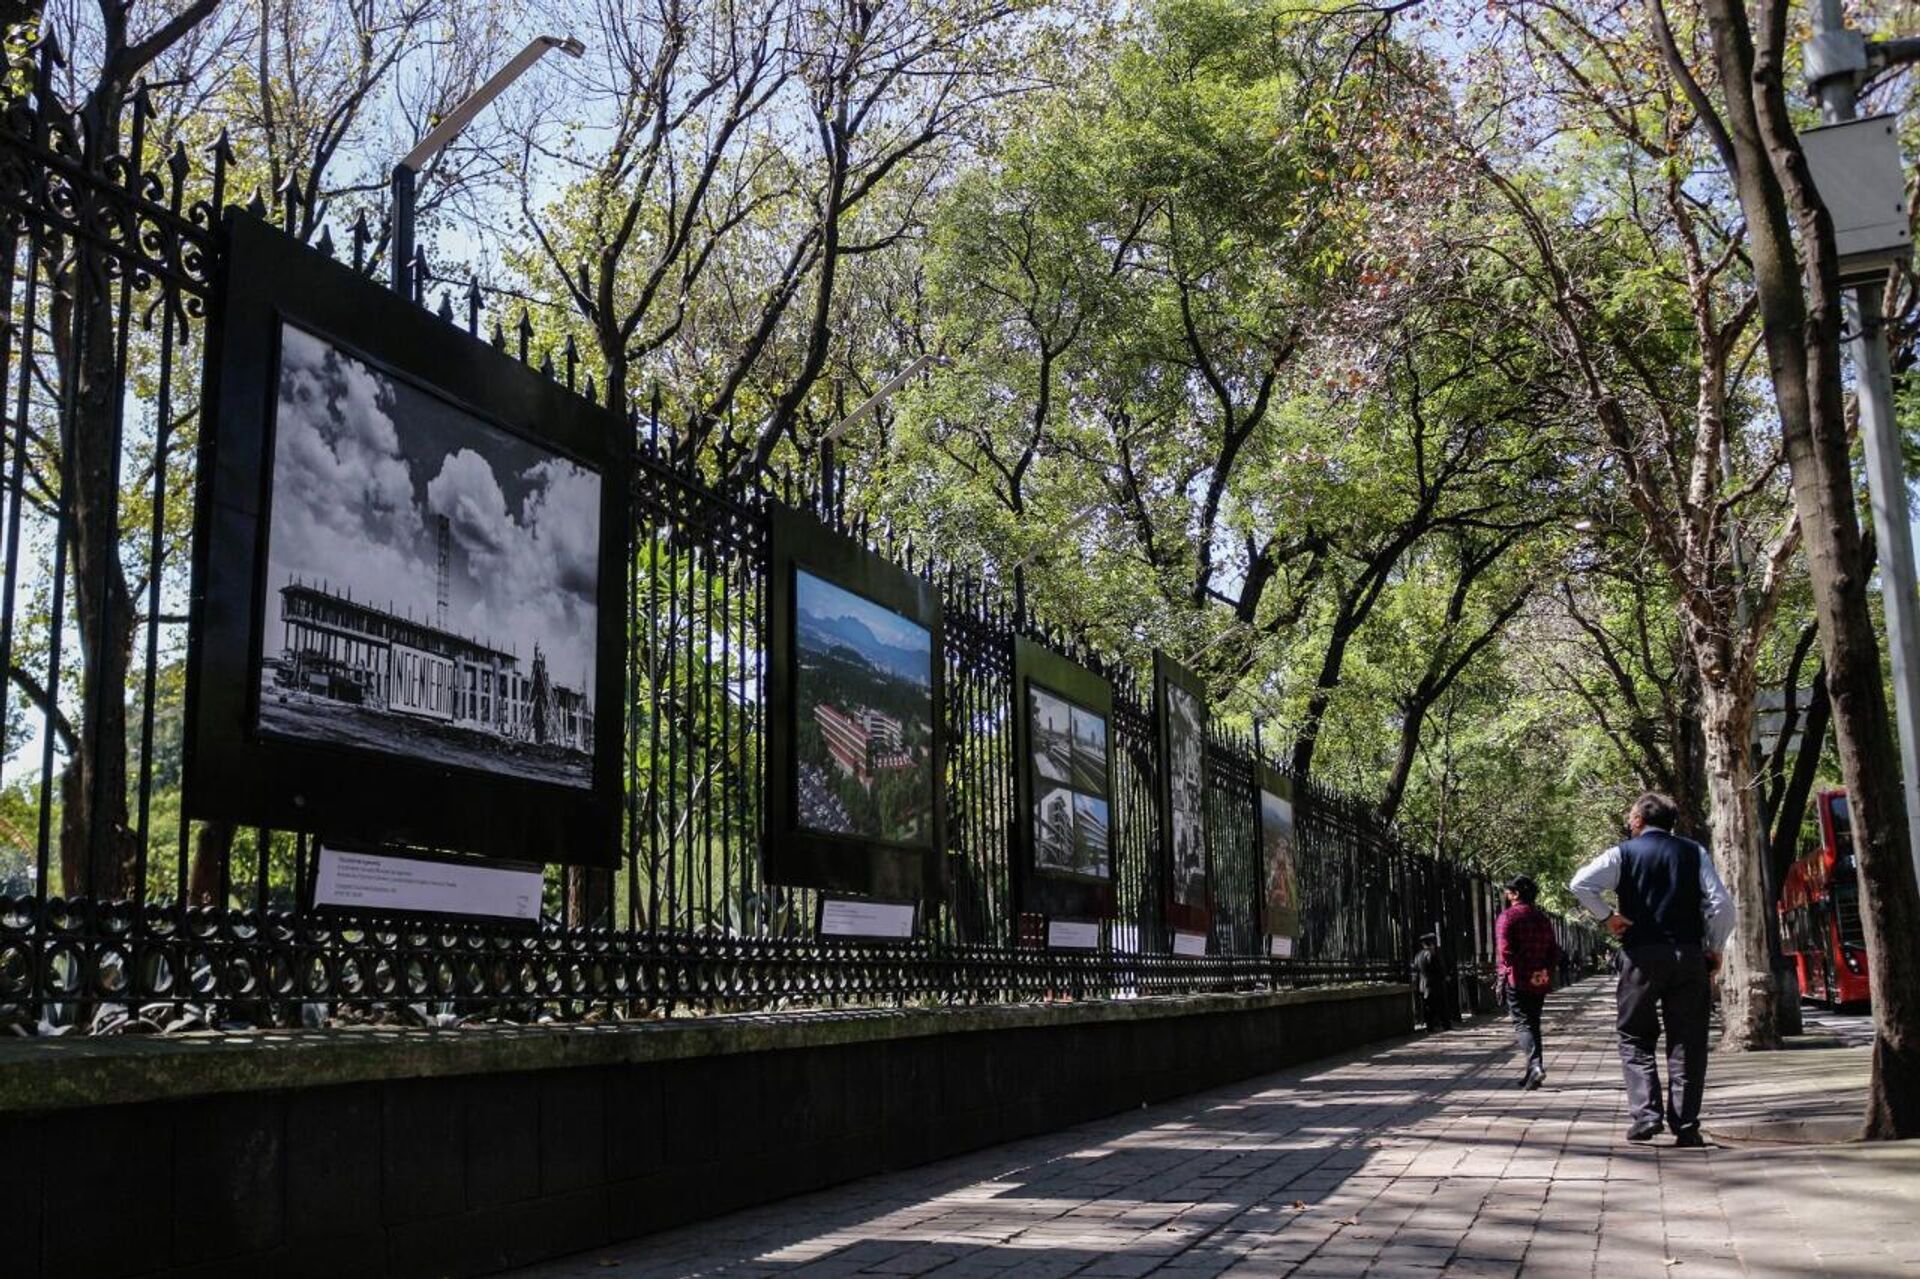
(432, 579)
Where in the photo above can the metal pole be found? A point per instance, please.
(1886, 480)
(402, 246)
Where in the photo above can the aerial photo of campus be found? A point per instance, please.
(863, 716)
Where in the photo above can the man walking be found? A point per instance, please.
(1524, 954)
(1431, 977)
(1673, 917)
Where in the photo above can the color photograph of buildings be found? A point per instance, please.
(1277, 857)
(863, 716)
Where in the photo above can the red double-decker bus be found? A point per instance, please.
(1820, 911)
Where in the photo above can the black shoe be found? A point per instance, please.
(1535, 1078)
(1689, 1137)
(1646, 1132)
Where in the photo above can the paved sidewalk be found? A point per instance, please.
(1416, 1159)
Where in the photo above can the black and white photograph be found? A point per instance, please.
(1054, 847)
(1069, 746)
(863, 722)
(1089, 752)
(1052, 737)
(1090, 833)
(1186, 737)
(431, 579)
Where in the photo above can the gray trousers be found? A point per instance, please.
(1666, 986)
(1524, 1009)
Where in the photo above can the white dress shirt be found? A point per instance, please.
(1603, 873)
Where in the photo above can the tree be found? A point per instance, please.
(1800, 311)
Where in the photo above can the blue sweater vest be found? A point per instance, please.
(1660, 890)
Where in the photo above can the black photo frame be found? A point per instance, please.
(836, 843)
(1180, 714)
(1042, 681)
(443, 738)
(1279, 836)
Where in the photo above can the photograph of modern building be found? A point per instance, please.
(863, 723)
(1090, 840)
(432, 578)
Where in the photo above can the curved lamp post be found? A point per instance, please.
(408, 170)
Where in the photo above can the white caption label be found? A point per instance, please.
(1280, 947)
(1189, 943)
(381, 881)
(842, 917)
(1073, 934)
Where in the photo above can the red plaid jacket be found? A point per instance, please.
(1523, 941)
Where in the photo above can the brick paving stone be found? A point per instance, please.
(1417, 1159)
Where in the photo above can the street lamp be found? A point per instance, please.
(867, 408)
(408, 170)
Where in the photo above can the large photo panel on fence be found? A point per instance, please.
(854, 752)
(1279, 861)
(409, 607)
(1180, 709)
(1063, 785)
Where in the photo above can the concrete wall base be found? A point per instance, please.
(458, 1153)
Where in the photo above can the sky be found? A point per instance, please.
(364, 463)
(825, 600)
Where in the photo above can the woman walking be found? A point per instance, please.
(1525, 953)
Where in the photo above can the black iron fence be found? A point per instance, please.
(116, 912)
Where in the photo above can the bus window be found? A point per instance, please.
(1842, 824)
(1846, 910)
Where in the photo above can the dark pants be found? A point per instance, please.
(1525, 1008)
(1434, 1010)
(1664, 986)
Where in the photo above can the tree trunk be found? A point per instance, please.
(1690, 752)
(1803, 353)
(97, 855)
(1784, 843)
(212, 851)
(1746, 973)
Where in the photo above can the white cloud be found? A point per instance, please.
(347, 512)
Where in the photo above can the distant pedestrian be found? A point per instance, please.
(1432, 975)
(1673, 917)
(1524, 954)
